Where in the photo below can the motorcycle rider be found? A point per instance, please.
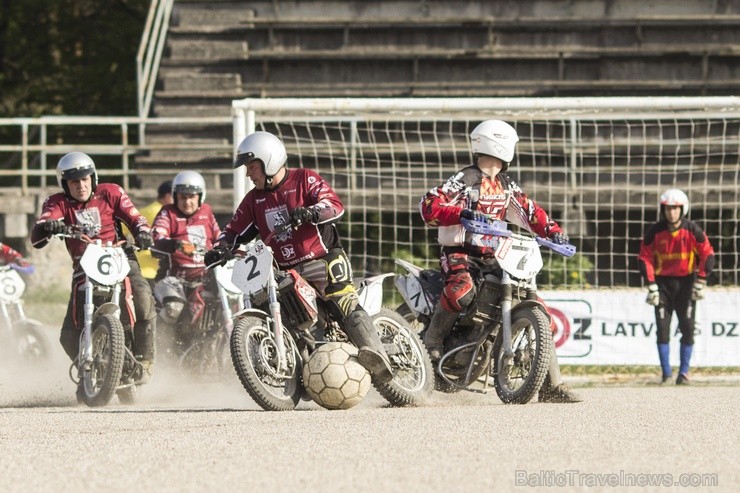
(183, 231)
(675, 259)
(312, 247)
(9, 255)
(482, 192)
(148, 264)
(99, 210)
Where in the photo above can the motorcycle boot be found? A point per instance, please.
(372, 355)
(143, 347)
(553, 389)
(439, 327)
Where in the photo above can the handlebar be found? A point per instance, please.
(25, 269)
(76, 232)
(500, 229)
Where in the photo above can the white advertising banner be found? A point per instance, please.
(617, 327)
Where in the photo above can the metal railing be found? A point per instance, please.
(31, 159)
(150, 52)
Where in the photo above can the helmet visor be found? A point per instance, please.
(188, 189)
(77, 173)
(243, 159)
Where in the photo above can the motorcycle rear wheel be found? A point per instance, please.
(99, 384)
(254, 354)
(531, 343)
(413, 375)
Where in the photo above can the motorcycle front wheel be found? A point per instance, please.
(100, 382)
(413, 375)
(255, 357)
(522, 374)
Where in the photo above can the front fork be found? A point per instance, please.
(86, 350)
(506, 301)
(277, 323)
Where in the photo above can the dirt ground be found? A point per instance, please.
(209, 436)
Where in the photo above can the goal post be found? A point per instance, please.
(597, 165)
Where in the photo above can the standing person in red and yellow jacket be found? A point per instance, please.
(675, 259)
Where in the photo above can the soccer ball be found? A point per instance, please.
(334, 378)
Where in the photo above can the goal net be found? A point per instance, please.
(597, 165)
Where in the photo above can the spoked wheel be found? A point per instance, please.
(100, 382)
(410, 318)
(413, 376)
(522, 374)
(31, 344)
(255, 356)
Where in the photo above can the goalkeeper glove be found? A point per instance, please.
(653, 297)
(697, 291)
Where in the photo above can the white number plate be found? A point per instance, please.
(106, 265)
(251, 272)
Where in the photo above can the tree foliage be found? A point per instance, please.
(69, 57)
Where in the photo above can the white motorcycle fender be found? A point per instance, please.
(251, 311)
(370, 293)
(108, 309)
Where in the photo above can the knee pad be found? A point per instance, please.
(343, 302)
(459, 291)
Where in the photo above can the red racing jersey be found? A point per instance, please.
(500, 198)
(677, 253)
(261, 211)
(100, 218)
(200, 229)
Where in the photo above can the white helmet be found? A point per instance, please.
(674, 196)
(190, 182)
(74, 166)
(265, 147)
(494, 138)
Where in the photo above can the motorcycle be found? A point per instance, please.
(505, 333)
(284, 320)
(202, 350)
(21, 338)
(105, 365)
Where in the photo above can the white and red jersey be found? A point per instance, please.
(100, 218)
(200, 229)
(9, 255)
(500, 198)
(261, 211)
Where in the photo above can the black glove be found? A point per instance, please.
(472, 215)
(144, 239)
(219, 255)
(302, 215)
(560, 238)
(57, 227)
